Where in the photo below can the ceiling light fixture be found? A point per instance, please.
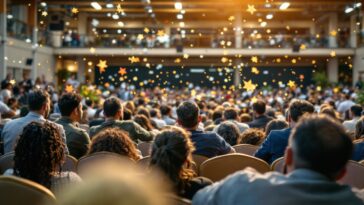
(96, 5)
(284, 6)
(269, 16)
(178, 5)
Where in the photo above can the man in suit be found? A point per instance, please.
(260, 118)
(276, 142)
(39, 105)
(316, 157)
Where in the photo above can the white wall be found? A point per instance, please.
(358, 64)
(17, 52)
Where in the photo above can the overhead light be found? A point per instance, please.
(96, 5)
(349, 9)
(182, 24)
(115, 16)
(284, 6)
(269, 16)
(263, 24)
(267, 5)
(119, 31)
(95, 22)
(108, 14)
(121, 24)
(178, 5)
(109, 6)
(183, 11)
(150, 10)
(179, 16)
(44, 4)
(357, 5)
(10, 16)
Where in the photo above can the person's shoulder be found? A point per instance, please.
(71, 176)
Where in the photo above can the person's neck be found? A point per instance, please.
(37, 112)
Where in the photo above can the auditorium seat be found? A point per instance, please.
(219, 167)
(176, 200)
(362, 162)
(354, 175)
(18, 191)
(246, 149)
(6, 162)
(198, 159)
(145, 148)
(278, 165)
(70, 164)
(144, 162)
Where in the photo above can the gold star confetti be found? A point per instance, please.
(160, 33)
(146, 30)
(291, 84)
(254, 59)
(74, 10)
(119, 9)
(294, 61)
(102, 65)
(303, 47)
(251, 9)
(69, 88)
(44, 13)
(333, 33)
(249, 86)
(231, 18)
(177, 60)
(122, 71)
(92, 50)
(186, 56)
(255, 70)
(134, 59)
(224, 59)
(332, 53)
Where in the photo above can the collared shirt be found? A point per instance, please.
(209, 144)
(78, 140)
(350, 124)
(301, 187)
(14, 128)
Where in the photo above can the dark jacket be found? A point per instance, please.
(135, 131)
(260, 122)
(78, 140)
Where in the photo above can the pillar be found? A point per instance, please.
(238, 25)
(32, 22)
(333, 70)
(3, 34)
(333, 19)
(353, 32)
(237, 73)
(81, 70)
(82, 27)
(167, 31)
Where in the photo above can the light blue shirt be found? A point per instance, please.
(14, 128)
(301, 187)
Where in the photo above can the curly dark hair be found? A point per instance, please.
(39, 151)
(172, 154)
(116, 141)
(143, 121)
(252, 136)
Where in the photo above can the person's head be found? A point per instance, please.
(329, 111)
(259, 107)
(216, 115)
(113, 108)
(131, 106)
(89, 103)
(127, 114)
(297, 108)
(320, 144)
(154, 113)
(38, 152)
(230, 114)
(144, 122)
(144, 111)
(114, 140)
(356, 110)
(245, 117)
(172, 154)
(275, 125)
(188, 115)
(70, 106)
(359, 128)
(229, 131)
(252, 136)
(165, 110)
(38, 101)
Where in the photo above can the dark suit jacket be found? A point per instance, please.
(260, 122)
(274, 145)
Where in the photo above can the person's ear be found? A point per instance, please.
(199, 119)
(288, 159)
(341, 174)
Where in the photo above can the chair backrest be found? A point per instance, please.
(145, 161)
(85, 162)
(354, 175)
(18, 191)
(278, 165)
(246, 149)
(198, 159)
(219, 167)
(361, 162)
(6, 162)
(176, 200)
(145, 148)
(70, 164)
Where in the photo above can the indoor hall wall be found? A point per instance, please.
(358, 64)
(17, 53)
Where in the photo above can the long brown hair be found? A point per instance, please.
(144, 122)
(172, 154)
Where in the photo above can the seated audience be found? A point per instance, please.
(358, 153)
(166, 112)
(276, 142)
(245, 118)
(172, 154)
(260, 118)
(311, 169)
(113, 112)
(252, 136)
(78, 140)
(116, 141)
(229, 131)
(355, 113)
(156, 117)
(39, 154)
(145, 123)
(206, 144)
(275, 125)
(231, 115)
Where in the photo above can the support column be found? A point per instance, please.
(81, 70)
(3, 34)
(82, 27)
(353, 32)
(333, 70)
(168, 33)
(237, 73)
(238, 45)
(32, 22)
(333, 19)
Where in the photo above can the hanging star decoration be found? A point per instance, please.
(254, 59)
(251, 9)
(122, 71)
(119, 9)
(177, 60)
(69, 88)
(102, 65)
(146, 30)
(249, 86)
(134, 59)
(231, 18)
(291, 84)
(74, 10)
(44, 13)
(186, 56)
(255, 70)
(160, 33)
(333, 33)
(92, 50)
(332, 53)
(303, 47)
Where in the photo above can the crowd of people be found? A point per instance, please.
(316, 130)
